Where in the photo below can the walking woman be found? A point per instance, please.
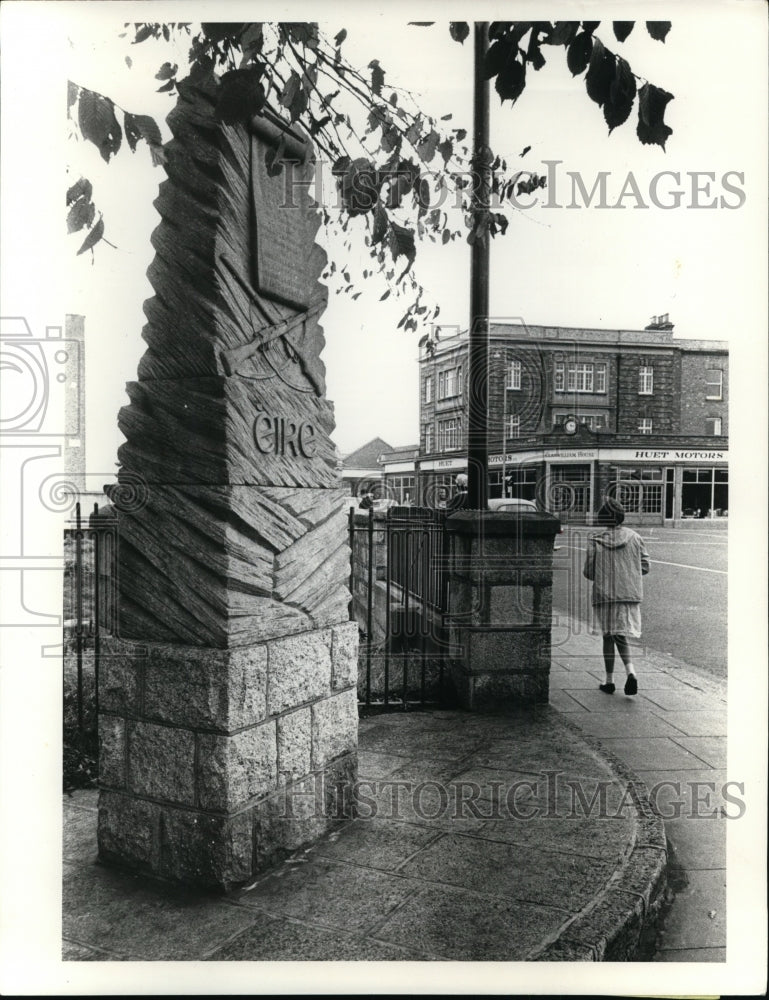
(616, 561)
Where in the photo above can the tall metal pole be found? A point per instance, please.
(478, 384)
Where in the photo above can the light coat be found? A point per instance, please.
(616, 561)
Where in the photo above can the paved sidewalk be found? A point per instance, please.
(673, 731)
(519, 836)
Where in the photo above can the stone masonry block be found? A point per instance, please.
(112, 751)
(234, 769)
(212, 851)
(344, 655)
(299, 670)
(294, 745)
(223, 689)
(334, 727)
(120, 672)
(161, 762)
(128, 830)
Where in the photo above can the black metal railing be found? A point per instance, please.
(90, 610)
(399, 584)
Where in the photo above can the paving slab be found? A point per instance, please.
(700, 843)
(698, 918)
(630, 722)
(282, 940)
(563, 880)
(682, 793)
(329, 894)
(646, 753)
(675, 700)
(459, 925)
(705, 723)
(375, 843)
(139, 919)
(710, 749)
(691, 955)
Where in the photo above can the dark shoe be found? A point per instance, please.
(607, 688)
(631, 684)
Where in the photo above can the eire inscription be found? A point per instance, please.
(275, 435)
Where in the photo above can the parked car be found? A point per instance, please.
(517, 505)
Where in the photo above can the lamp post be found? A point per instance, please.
(478, 346)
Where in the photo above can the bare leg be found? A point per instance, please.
(608, 659)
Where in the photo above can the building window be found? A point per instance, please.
(449, 383)
(429, 443)
(645, 425)
(513, 380)
(713, 426)
(513, 428)
(646, 380)
(595, 421)
(448, 435)
(400, 488)
(714, 383)
(429, 389)
(580, 376)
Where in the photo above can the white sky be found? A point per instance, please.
(581, 266)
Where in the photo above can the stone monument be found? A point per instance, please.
(228, 712)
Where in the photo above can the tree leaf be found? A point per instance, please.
(141, 127)
(445, 237)
(383, 297)
(446, 149)
(252, 40)
(562, 33)
(80, 189)
(80, 215)
(340, 37)
(652, 102)
(622, 93)
(426, 147)
(459, 30)
(495, 58)
(658, 29)
(240, 95)
(167, 71)
(97, 121)
(379, 230)
(511, 80)
(72, 91)
(166, 88)
(578, 53)
(601, 73)
(622, 29)
(93, 237)
(402, 243)
(498, 29)
(377, 76)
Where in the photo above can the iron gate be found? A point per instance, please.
(398, 584)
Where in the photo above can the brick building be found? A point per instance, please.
(578, 413)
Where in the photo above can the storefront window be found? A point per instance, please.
(705, 493)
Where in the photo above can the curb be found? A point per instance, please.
(619, 924)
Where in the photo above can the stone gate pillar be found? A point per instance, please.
(500, 607)
(227, 704)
